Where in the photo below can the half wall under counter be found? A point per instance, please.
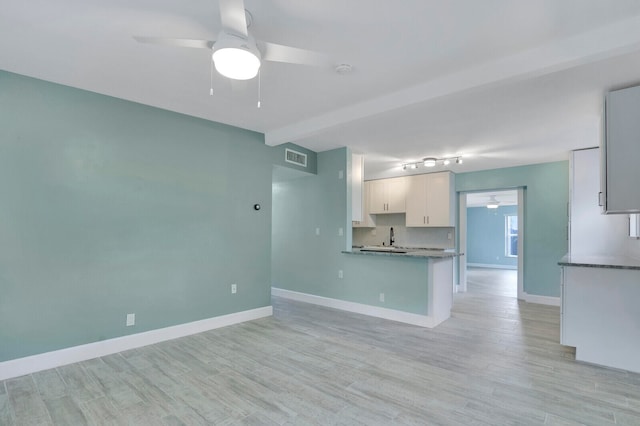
(600, 313)
(413, 288)
(429, 292)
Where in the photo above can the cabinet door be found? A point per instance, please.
(622, 150)
(396, 193)
(416, 200)
(438, 199)
(377, 199)
(367, 220)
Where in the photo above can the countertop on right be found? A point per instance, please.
(600, 261)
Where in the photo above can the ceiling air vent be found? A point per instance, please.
(295, 157)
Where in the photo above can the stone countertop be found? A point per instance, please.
(596, 261)
(413, 253)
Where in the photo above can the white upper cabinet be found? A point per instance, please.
(357, 187)
(430, 200)
(367, 220)
(621, 142)
(387, 195)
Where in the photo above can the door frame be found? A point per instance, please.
(462, 242)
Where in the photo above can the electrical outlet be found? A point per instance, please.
(317, 231)
(340, 232)
(131, 320)
(234, 288)
(449, 235)
(382, 297)
(340, 274)
(341, 174)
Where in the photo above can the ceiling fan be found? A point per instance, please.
(493, 203)
(236, 53)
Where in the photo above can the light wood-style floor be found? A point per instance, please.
(496, 361)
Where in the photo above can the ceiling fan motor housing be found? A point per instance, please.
(236, 57)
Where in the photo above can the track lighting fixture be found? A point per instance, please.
(432, 162)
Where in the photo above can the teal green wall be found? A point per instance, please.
(307, 263)
(485, 236)
(300, 257)
(545, 217)
(110, 207)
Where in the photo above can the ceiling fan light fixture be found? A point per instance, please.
(493, 203)
(236, 57)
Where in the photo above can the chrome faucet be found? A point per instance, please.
(392, 240)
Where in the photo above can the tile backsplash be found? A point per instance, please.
(404, 237)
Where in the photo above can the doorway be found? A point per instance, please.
(491, 236)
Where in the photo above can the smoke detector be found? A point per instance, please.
(343, 69)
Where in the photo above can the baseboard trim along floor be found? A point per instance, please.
(542, 300)
(31, 364)
(492, 266)
(358, 308)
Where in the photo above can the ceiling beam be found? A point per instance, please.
(600, 43)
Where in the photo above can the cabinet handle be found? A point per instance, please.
(427, 220)
(424, 219)
(600, 199)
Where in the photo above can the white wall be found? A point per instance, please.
(632, 247)
(591, 232)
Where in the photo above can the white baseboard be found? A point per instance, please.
(358, 308)
(492, 266)
(31, 364)
(542, 300)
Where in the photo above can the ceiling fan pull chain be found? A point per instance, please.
(259, 91)
(211, 79)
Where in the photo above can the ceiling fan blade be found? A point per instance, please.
(280, 53)
(178, 42)
(233, 17)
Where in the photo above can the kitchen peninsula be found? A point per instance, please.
(425, 275)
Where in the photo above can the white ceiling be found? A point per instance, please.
(502, 82)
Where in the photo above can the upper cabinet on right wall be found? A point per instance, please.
(620, 187)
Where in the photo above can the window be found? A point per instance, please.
(511, 235)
